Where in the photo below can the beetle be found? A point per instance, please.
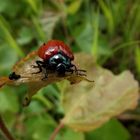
(56, 56)
(53, 47)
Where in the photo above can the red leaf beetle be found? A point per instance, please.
(56, 56)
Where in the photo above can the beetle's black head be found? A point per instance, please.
(61, 69)
(58, 59)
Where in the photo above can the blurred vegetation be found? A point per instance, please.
(109, 30)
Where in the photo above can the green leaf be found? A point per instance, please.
(39, 127)
(84, 36)
(7, 58)
(26, 34)
(113, 130)
(3, 5)
(38, 28)
(70, 135)
(8, 100)
(10, 8)
(74, 7)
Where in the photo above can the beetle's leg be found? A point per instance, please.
(78, 71)
(81, 72)
(46, 76)
(40, 64)
(70, 70)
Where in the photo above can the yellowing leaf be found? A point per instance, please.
(88, 106)
(49, 20)
(25, 69)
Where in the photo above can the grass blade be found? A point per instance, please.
(137, 59)
(8, 37)
(108, 14)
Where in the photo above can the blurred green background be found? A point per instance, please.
(108, 30)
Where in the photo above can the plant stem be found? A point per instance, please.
(53, 136)
(5, 130)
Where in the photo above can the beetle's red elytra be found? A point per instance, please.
(52, 47)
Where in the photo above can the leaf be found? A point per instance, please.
(24, 68)
(10, 8)
(112, 130)
(25, 35)
(48, 21)
(39, 127)
(89, 106)
(5, 56)
(74, 7)
(8, 100)
(3, 5)
(70, 135)
(84, 36)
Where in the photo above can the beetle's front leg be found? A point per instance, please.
(39, 65)
(46, 76)
(78, 71)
